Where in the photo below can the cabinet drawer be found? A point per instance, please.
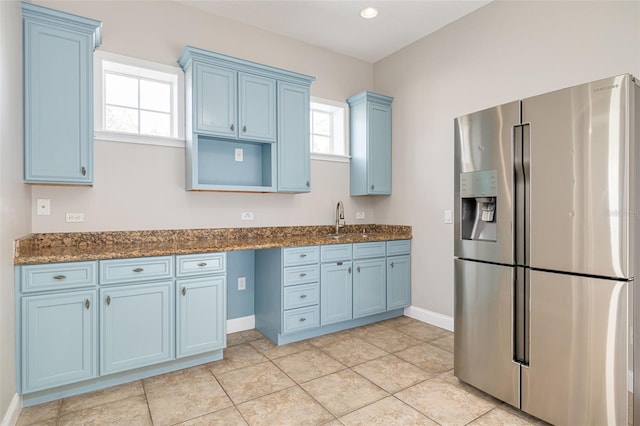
(301, 255)
(398, 247)
(331, 253)
(301, 295)
(200, 264)
(372, 249)
(58, 276)
(300, 319)
(138, 269)
(301, 274)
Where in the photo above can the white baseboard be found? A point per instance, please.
(13, 412)
(241, 324)
(430, 317)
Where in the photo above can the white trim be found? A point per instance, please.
(430, 317)
(241, 324)
(13, 412)
(139, 139)
(331, 157)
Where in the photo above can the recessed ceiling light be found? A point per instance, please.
(369, 13)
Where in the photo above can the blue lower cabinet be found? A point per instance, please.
(137, 326)
(369, 287)
(335, 292)
(398, 282)
(200, 316)
(59, 339)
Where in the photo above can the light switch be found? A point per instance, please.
(448, 216)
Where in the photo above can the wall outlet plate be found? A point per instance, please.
(242, 283)
(74, 217)
(246, 216)
(360, 215)
(239, 154)
(448, 216)
(43, 206)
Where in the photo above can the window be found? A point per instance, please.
(328, 130)
(138, 101)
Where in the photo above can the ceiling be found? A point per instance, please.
(336, 24)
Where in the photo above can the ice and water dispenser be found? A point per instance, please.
(478, 193)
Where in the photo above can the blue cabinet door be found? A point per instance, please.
(398, 282)
(214, 94)
(294, 169)
(201, 315)
(336, 295)
(59, 343)
(379, 140)
(58, 96)
(257, 112)
(369, 287)
(137, 326)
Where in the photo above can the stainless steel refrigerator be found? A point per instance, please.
(546, 251)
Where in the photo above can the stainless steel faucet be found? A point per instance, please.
(339, 216)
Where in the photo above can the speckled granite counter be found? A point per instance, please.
(78, 246)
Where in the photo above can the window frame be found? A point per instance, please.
(147, 70)
(332, 107)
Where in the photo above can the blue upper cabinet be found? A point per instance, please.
(294, 168)
(370, 115)
(241, 135)
(58, 95)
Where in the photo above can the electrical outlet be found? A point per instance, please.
(43, 206)
(74, 217)
(239, 155)
(246, 216)
(448, 216)
(242, 283)
(360, 215)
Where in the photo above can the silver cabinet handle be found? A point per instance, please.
(372, 186)
(349, 270)
(358, 269)
(392, 264)
(184, 291)
(244, 129)
(138, 270)
(84, 171)
(202, 264)
(59, 277)
(339, 263)
(303, 296)
(108, 300)
(303, 255)
(303, 274)
(87, 303)
(233, 127)
(308, 185)
(302, 319)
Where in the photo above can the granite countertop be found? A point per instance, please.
(79, 246)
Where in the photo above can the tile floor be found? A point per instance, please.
(396, 372)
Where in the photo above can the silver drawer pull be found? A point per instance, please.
(244, 129)
(349, 270)
(232, 127)
(87, 303)
(391, 264)
(108, 300)
(339, 263)
(184, 291)
(302, 319)
(303, 255)
(358, 269)
(59, 277)
(138, 270)
(303, 296)
(303, 274)
(202, 264)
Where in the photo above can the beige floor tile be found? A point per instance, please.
(101, 397)
(445, 343)
(422, 331)
(367, 329)
(519, 413)
(251, 335)
(235, 357)
(227, 417)
(446, 403)
(126, 412)
(183, 395)
(40, 413)
(501, 417)
(386, 412)
(235, 339)
(388, 339)
(392, 373)
(253, 382)
(397, 321)
(343, 392)
(322, 341)
(291, 406)
(269, 349)
(428, 357)
(308, 365)
(352, 351)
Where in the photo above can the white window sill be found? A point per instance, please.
(139, 139)
(331, 157)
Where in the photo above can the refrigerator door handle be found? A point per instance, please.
(521, 174)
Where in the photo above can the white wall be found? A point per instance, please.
(15, 220)
(502, 52)
(142, 187)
